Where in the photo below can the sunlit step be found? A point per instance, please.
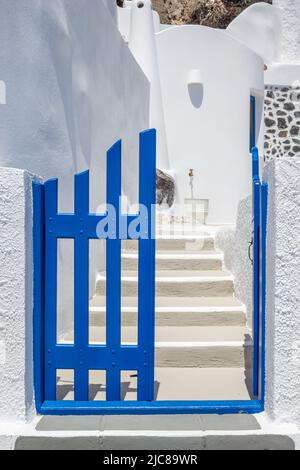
(171, 383)
(178, 261)
(178, 284)
(178, 311)
(178, 242)
(189, 346)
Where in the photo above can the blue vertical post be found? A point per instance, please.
(256, 283)
(39, 286)
(81, 287)
(146, 291)
(262, 322)
(113, 274)
(256, 268)
(51, 196)
(255, 163)
(252, 122)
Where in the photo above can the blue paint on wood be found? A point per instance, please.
(51, 204)
(255, 164)
(256, 282)
(262, 325)
(152, 408)
(260, 191)
(146, 292)
(252, 122)
(81, 289)
(113, 277)
(82, 226)
(49, 226)
(38, 286)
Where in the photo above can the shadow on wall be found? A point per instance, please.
(248, 355)
(196, 93)
(234, 242)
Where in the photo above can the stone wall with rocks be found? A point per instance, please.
(282, 122)
(214, 13)
(165, 189)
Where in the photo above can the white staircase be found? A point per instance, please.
(203, 348)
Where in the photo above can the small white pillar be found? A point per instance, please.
(283, 291)
(16, 296)
(142, 44)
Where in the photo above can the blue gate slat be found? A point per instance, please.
(82, 227)
(252, 122)
(262, 321)
(97, 357)
(255, 163)
(66, 226)
(259, 275)
(81, 287)
(51, 198)
(38, 193)
(113, 275)
(256, 282)
(146, 285)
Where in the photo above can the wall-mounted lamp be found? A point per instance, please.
(195, 87)
(194, 77)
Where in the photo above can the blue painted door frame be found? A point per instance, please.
(252, 122)
(260, 205)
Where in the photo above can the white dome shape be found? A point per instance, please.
(259, 28)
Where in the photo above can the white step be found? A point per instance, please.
(178, 284)
(189, 346)
(199, 354)
(163, 432)
(171, 384)
(177, 311)
(220, 384)
(189, 243)
(185, 230)
(178, 261)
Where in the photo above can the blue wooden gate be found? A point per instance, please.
(81, 356)
(260, 203)
(113, 357)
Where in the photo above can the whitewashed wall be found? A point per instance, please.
(283, 291)
(73, 88)
(16, 296)
(286, 70)
(208, 126)
(290, 30)
(124, 20)
(111, 5)
(259, 27)
(234, 242)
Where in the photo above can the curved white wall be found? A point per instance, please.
(210, 133)
(143, 47)
(259, 28)
(290, 13)
(72, 89)
(111, 5)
